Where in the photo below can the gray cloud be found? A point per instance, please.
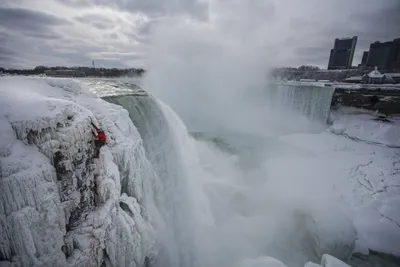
(299, 23)
(7, 54)
(112, 36)
(97, 21)
(44, 35)
(152, 8)
(316, 55)
(20, 19)
(22, 30)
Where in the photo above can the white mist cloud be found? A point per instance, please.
(214, 73)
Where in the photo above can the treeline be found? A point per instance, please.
(313, 72)
(94, 72)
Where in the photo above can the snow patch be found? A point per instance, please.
(329, 261)
(261, 262)
(364, 129)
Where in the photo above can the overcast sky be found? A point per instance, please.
(117, 33)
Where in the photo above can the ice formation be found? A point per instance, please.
(59, 206)
(327, 261)
(129, 208)
(261, 262)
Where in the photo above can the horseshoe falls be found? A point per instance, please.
(269, 185)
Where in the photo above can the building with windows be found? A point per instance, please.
(364, 58)
(385, 56)
(342, 54)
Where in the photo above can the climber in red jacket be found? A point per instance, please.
(100, 139)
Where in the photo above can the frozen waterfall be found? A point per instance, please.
(311, 100)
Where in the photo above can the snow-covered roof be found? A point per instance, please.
(354, 78)
(375, 74)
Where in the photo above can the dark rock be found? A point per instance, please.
(384, 101)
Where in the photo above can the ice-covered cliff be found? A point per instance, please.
(58, 205)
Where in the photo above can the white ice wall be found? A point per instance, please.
(71, 217)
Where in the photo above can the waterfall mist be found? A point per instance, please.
(216, 80)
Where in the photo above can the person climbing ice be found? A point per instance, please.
(100, 138)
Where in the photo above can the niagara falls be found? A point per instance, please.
(177, 134)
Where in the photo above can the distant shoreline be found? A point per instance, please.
(76, 72)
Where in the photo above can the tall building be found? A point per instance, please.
(385, 56)
(342, 54)
(364, 58)
(394, 63)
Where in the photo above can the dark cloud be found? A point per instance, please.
(19, 19)
(43, 35)
(381, 23)
(152, 8)
(6, 54)
(98, 21)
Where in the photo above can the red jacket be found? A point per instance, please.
(101, 136)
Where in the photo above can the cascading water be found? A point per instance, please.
(162, 142)
(211, 202)
(312, 100)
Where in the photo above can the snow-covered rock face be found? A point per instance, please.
(59, 206)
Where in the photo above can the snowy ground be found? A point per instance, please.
(358, 161)
(346, 177)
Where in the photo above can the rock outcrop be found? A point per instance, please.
(385, 101)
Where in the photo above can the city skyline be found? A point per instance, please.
(384, 55)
